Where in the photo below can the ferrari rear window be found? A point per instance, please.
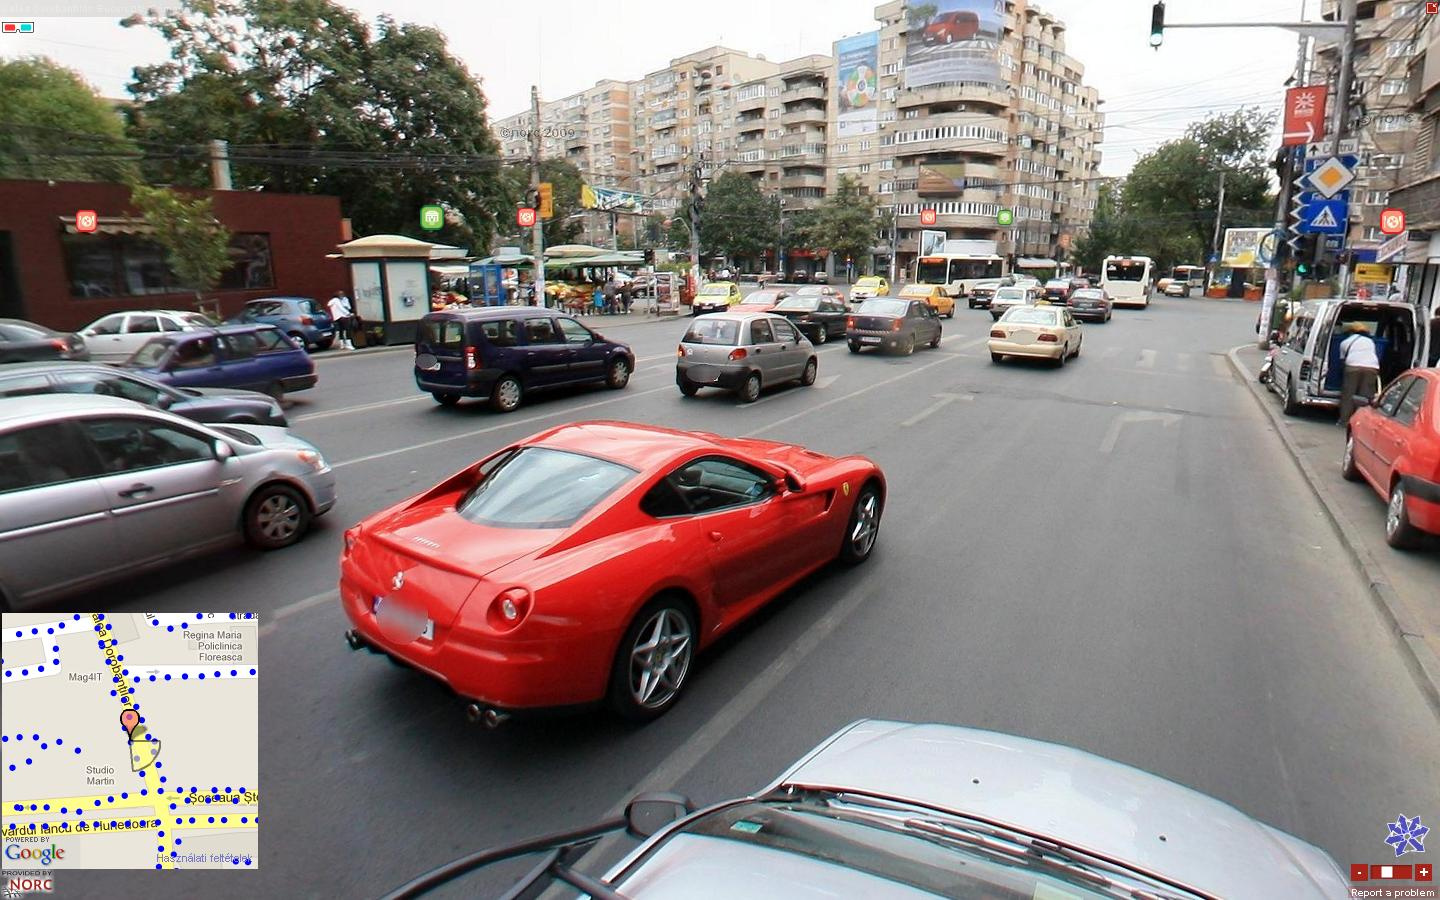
(542, 488)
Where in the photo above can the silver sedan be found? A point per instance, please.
(743, 352)
(93, 489)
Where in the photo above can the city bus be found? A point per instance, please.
(957, 272)
(1127, 280)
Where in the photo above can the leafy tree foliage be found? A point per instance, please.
(48, 113)
(736, 220)
(846, 223)
(565, 181)
(197, 246)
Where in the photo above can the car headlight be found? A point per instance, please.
(313, 459)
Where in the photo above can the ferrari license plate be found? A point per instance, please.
(869, 340)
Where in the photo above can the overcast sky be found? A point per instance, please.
(567, 45)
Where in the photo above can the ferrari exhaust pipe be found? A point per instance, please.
(490, 718)
(352, 637)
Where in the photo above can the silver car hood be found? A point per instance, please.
(272, 436)
(1075, 797)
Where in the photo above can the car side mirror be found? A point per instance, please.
(648, 813)
(223, 451)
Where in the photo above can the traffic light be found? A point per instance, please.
(1302, 269)
(1157, 25)
(546, 205)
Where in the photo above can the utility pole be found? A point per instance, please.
(780, 239)
(894, 241)
(540, 299)
(220, 165)
(1219, 212)
(1287, 177)
(697, 202)
(1342, 106)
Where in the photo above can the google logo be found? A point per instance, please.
(42, 854)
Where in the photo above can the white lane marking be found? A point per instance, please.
(1183, 362)
(945, 400)
(1113, 435)
(843, 397)
(346, 410)
(825, 382)
(511, 423)
(272, 621)
(1147, 360)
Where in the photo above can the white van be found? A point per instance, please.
(1307, 370)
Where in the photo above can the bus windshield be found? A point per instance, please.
(931, 271)
(1120, 271)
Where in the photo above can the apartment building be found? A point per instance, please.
(1028, 142)
(592, 130)
(1388, 36)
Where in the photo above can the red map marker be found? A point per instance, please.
(129, 718)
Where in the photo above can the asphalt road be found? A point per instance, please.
(1115, 556)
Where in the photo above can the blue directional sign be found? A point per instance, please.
(1322, 216)
(1350, 160)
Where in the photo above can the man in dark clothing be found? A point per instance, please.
(610, 296)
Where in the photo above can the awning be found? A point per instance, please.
(1031, 262)
(510, 262)
(110, 225)
(604, 259)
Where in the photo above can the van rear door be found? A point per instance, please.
(440, 350)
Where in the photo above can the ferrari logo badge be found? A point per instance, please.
(846, 488)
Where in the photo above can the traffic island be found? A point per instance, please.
(1402, 583)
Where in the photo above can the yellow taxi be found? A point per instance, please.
(932, 294)
(1049, 332)
(869, 286)
(717, 296)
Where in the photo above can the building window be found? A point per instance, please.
(864, 145)
(890, 69)
(864, 168)
(1399, 48)
(887, 164)
(912, 113)
(1377, 198)
(128, 265)
(774, 113)
(1392, 123)
(1392, 86)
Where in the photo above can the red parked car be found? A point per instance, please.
(1394, 444)
(591, 562)
(948, 27)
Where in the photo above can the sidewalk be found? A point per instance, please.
(1402, 583)
(601, 324)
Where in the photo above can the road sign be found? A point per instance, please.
(1304, 115)
(1392, 221)
(432, 218)
(1393, 247)
(927, 217)
(525, 216)
(1331, 177)
(1324, 216)
(86, 221)
(1334, 241)
(1351, 161)
(1004, 217)
(1321, 149)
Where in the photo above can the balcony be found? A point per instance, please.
(758, 101)
(803, 115)
(950, 93)
(805, 92)
(802, 180)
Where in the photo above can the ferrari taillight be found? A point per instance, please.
(470, 358)
(509, 609)
(997, 333)
(1049, 339)
(738, 353)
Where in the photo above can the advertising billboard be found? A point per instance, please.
(1241, 246)
(858, 82)
(953, 40)
(932, 242)
(609, 199)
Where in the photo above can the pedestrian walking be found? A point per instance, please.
(610, 295)
(341, 313)
(1362, 369)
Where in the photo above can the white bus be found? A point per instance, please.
(958, 272)
(1127, 280)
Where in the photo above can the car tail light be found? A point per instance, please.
(307, 320)
(895, 325)
(849, 321)
(470, 362)
(509, 609)
(351, 536)
(738, 353)
(997, 333)
(1049, 339)
(59, 344)
(680, 350)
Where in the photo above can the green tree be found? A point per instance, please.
(315, 101)
(736, 220)
(51, 117)
(1112, 230)
(565, 181)
(846, 223)
(197, 246)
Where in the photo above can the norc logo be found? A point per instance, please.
(42, 855)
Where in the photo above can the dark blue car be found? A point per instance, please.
(303, 319)
(253, 357)
(502, 353)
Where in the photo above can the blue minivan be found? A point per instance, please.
(305, 320)
(504, 352)
(253, 357)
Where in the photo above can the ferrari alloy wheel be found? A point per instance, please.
(1348, 471)
(618, 374)
(277, 516)
(506, 395)
(653, 659)
(864, 526)
(750, 390)
(1399, 533)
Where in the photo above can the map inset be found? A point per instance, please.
(129, 741)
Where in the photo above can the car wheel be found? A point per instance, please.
(299, 339)
(1292, 403)
(618, 374)
(688, 387)
(854, 346)
(935, 341)
(951, 314)
(863, 527)
(1399, 533)
(653, 659)
(1064, 354)
(1076, 354)
(1348, 470)
(445, 399)
(750, 390)
(811, 367)
(996, 357)
(276, 391)
(505, 396)
(822, 336)
(908, 347)
(276, 516)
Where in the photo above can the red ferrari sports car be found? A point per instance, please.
(590, 562)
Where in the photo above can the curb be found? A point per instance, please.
(1423, 662)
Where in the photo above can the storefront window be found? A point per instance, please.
(127, 265)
